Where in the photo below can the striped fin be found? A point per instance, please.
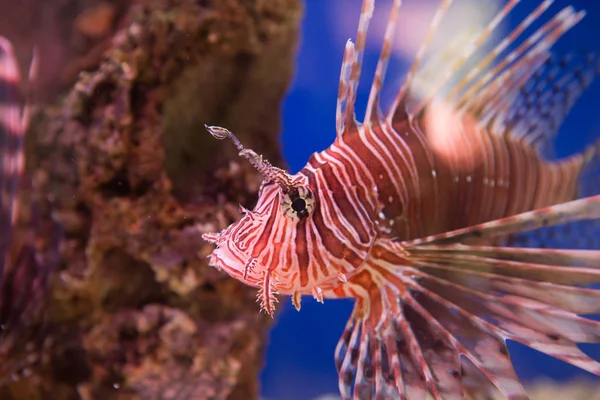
(382, 64)
(493, 89)
(344, 87)
(546, 275)
(587, 208)
(349, 82)
(398, 109)
(351, 70)
(32, 257)
(542, 103)
(449, 71)
(529, 295)
(12, 130)
(532, 322)
(429, 301)
(489, 87)
(512, 71)
(480, 71)
(477, 87)
(381, 356)
(578, 235)
(420, 335)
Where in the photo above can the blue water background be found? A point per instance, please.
(299, 359)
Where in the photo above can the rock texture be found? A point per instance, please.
(125, 175)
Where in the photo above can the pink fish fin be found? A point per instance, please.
(449, 71)
(399, 110)
(344, 87)
(467, 335)
(549, 276)
(475, 384)
(382, 64)
(377, 358)
(573, 224)
(492, 64)
(546, 267)
(530, 295)
(524, 317)
(576, 235)
(267, 292)
(353, 59)
(29, 262)
(537, 110)
(488, 84)
(587, 208)
(491, 89)
(418, 335)
(12, 131)
(478, 312)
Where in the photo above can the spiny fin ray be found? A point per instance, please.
(576, 210)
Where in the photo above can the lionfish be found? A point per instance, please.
(25, 267)
(423, 223)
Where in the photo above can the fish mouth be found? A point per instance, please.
(212, 237)
(231, 259)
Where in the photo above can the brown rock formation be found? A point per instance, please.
(121, 159)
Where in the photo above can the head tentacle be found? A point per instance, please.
(264, 167)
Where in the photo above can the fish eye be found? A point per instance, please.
(298, 203)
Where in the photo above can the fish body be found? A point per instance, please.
(415, 212)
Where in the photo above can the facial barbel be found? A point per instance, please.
(264, 167)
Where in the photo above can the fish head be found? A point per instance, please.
(293, 242)
(264, 247)
(247, 249)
